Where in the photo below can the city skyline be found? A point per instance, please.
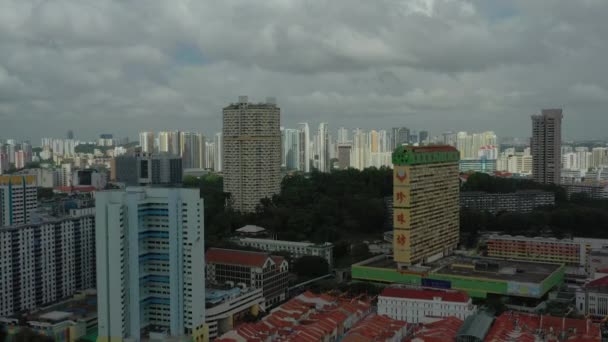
(86, 67)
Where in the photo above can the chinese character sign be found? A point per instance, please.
(401, 218)
(401, 246)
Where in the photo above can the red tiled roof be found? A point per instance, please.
(601, 282)
(236, 257)
(426, 294)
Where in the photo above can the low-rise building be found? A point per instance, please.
(517, 326)
(478, 165)
(572, 252)
(377, 327)
(295, 249)
(254, 269)
(66, 321)
(424, 305)
(592, 299)
(520, 201)
(227, 307)
(593, 191)
(307, 317)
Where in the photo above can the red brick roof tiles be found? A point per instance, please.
(236, 257)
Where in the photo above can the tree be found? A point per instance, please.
(359, 252)
(311, 266)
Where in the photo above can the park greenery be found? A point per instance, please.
(347, 206)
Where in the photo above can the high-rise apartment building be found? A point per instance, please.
(546, 146)
(146, 141)
(192, 150)
(344, 153)
(165, 141)
(252, 152)
(42, 263)
(218, 155)
(304, 153)
(423, 137)
(343, 137)
(322, 149)
(18, 199)
(425, 203)
(150, 263)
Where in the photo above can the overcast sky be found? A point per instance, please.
(125, 66)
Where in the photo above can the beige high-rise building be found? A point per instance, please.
(426, 203)
(251, 152)
(546, 146)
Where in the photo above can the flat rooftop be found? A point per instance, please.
(499, 269)
(489, 268)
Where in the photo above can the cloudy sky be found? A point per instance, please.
(124, 66)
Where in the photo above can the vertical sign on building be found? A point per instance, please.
(401, 213)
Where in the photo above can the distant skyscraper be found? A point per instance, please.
(469, 145)
(360, 155)
(373, 140)
(423, 137)
(70, 134)
(218, 155)
(18, 199)
(322, 148)
(343, 135)
(252, 152)
(291, 148)
(164, 141)
(546, 146)
(401, 135)
(146, 141)
(344, 152)
(304, 153)
(192, 150)
(150, 263)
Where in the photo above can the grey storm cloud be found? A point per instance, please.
(123, 66)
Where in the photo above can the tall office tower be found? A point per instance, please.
(252, 152)
(322, 148)
(150, 263)
(343, 137)
(70, 134)
(401, 135)
(426, 203)
(423, 137)
(147, 169)
(373, 140)
(146, 141)
(546, 146)
(46, 261)
(218, 152)
(413, 137)
(18, 199)
(344, 154)
(304, 153)
(192, 150)
(291, 149)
